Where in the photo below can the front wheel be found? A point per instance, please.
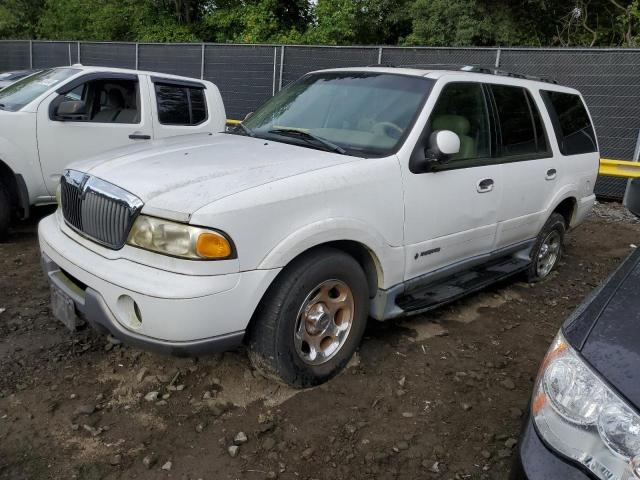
(547, 251)
(5, 212)
(311, 320)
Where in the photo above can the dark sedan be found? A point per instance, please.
(584, 417)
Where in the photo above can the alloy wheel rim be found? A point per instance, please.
(324, 322)
(548, 254)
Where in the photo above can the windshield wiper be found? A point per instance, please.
(309, 137)
(246, 130)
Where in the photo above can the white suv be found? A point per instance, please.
(352, 193)
(56, 116)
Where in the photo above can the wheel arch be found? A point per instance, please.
(10, 182)
(567, 208)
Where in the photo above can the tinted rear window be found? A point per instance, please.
(572, 125)
(519, 122)
(180, 105)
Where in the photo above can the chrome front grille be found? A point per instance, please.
(97, 209)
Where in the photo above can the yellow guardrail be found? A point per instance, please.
(619, 168)
(231, 122)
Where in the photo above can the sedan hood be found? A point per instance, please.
(606, 330)
(183, 174)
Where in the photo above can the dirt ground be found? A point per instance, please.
(435, 396)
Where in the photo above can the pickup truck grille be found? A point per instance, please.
(97, 209)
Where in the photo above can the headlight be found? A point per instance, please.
(179, 240)
(578, 415)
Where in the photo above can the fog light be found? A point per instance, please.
(129, 313)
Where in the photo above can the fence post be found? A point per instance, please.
(31, 54)
(137, 45)
(281, 67)
(275, 67)
(202, 63)
(498, 58)
(379, 55)
(79, 52)
(69, 46)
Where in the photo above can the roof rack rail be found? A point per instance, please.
(503, 73)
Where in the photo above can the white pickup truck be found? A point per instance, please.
(59, 115)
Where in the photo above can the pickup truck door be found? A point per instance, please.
(451, 213)
(116, 113)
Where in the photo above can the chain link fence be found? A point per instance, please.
(247, 75)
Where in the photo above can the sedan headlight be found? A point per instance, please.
(582, 418)
(179, 240)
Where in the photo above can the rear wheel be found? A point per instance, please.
(311, 321)
(5, 212)
(547, 251)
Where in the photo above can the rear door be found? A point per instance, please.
(115, 116)
(529, 169)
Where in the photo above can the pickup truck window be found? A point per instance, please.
(19, 94)
(363, 113)
(180, 105)
(107, 101)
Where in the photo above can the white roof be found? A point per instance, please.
(90, 68)
(458, 74)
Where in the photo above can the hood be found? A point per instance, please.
(606, 331)
(183, 174)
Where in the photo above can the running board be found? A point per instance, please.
(427, 297)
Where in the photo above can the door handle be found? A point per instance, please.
(485, 185)
(551, 174)
(138, 136)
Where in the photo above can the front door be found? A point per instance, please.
(451, 213)
(114, 116)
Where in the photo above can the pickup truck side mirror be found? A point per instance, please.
(442, 145)
(71, 110)
(632, 197)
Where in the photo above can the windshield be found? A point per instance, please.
(362, 113)
(19, 94)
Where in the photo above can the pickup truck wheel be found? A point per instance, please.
(311, 320)
(547, 251)
(5, 212)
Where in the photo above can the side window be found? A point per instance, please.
(180, 105)
(106, 101)
(462, 109)
(572, 125)
(520, 128)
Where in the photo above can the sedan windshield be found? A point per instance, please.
(357, 113)
(19, 94)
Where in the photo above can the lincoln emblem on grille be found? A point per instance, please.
(98, 210)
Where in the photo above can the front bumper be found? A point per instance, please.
(536, 462)
(148, 307)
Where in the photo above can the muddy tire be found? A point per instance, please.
(311, 320)
(5, 212)
(547, 250)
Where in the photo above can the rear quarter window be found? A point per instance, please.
(571, 123)
(180, 105)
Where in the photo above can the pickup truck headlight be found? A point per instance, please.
(179, 240)
(582, 418)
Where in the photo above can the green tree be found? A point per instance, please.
(19, 18)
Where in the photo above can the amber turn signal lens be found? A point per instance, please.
(213, 245)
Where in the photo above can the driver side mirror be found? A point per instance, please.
(71, 110)
(442, 145)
